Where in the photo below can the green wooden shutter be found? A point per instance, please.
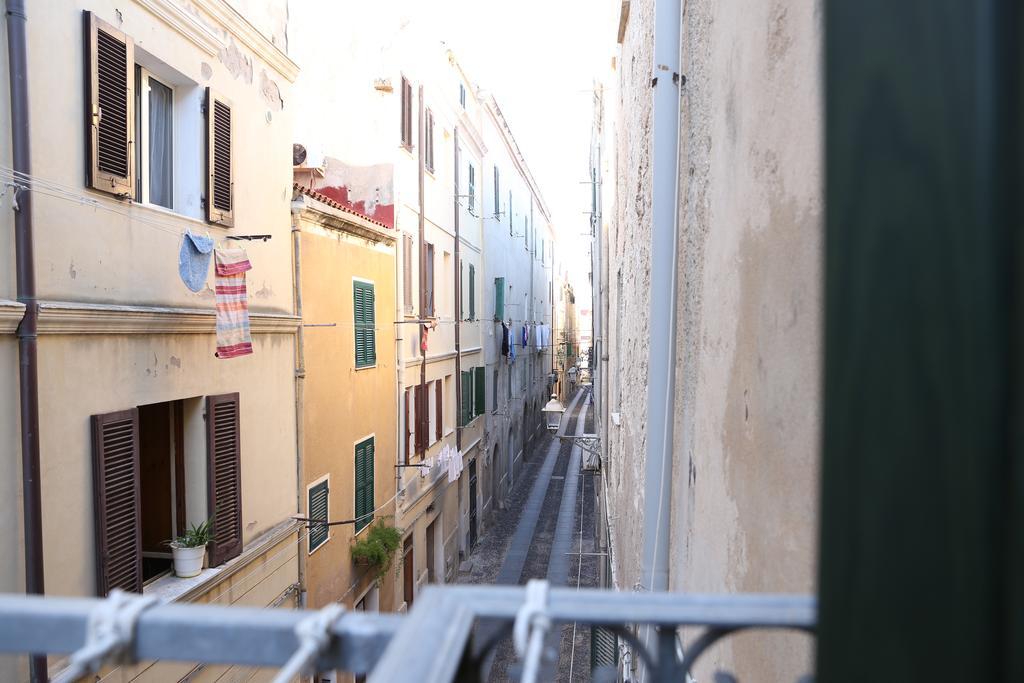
(466, 400)
(363, 303)
(364, 484)
(318, 533)
(472, 292)
(478, 391)
(499, 298)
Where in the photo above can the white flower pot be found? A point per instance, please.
(188, 561)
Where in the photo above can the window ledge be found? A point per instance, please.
(171, 588)
(365, 367)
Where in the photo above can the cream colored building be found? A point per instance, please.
(370, 113)
(128, 380)
(346, 268)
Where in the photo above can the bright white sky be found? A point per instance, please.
(540, 59)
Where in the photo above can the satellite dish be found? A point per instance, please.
(298, 154)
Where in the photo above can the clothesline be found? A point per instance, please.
(40, 186)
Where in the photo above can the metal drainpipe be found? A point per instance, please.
(666, 78)
(421, 170)
(458, 302)
(28, 360)
(401, 426)
(300, 378)
(527, 358)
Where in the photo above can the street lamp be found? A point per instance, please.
(553, 413)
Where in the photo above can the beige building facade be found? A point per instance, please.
(748, 310)
(143, 429)
(405, 122)
(345, 264)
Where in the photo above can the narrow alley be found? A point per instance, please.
(546, 531)
(589, 341)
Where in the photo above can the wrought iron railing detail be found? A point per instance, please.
(431, 644)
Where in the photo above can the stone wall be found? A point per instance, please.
(744, 489)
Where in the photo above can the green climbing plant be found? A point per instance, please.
(377, 547)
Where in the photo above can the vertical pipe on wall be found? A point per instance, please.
(458, 301)
(665, 82)
(421, 410)
(28, 362)
(300, 378)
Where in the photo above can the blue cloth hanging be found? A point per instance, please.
(194, 260)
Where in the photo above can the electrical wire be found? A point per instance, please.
(268, 561)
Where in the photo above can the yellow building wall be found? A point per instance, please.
(343, 405)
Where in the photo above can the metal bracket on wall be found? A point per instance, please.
(590, 444)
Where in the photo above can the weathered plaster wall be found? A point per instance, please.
(748, 346)
(629, 296)
(105, 373)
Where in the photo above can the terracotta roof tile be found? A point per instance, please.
(302, 189)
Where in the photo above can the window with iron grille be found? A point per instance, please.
(363, 302)
(364, 484)
(319, 509)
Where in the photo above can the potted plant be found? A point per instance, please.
(377, 548)
(189, 549)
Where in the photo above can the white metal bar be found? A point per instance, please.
(195, 633)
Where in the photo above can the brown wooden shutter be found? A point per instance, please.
(406, 112)
(110, 107)
(408, 426)
(407, 271)
(116, 499)
(224, 476)
(429, 279)
(422, 418)
(440, 413)
(220, 174)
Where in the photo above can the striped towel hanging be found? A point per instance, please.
(233, 337)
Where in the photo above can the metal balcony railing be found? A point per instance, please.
(431, 644)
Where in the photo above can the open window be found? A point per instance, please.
(156, 469)
(144, 125)
(154, 122)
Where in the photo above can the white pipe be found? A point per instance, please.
(666, 80)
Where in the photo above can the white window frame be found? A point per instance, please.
(145, 75)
